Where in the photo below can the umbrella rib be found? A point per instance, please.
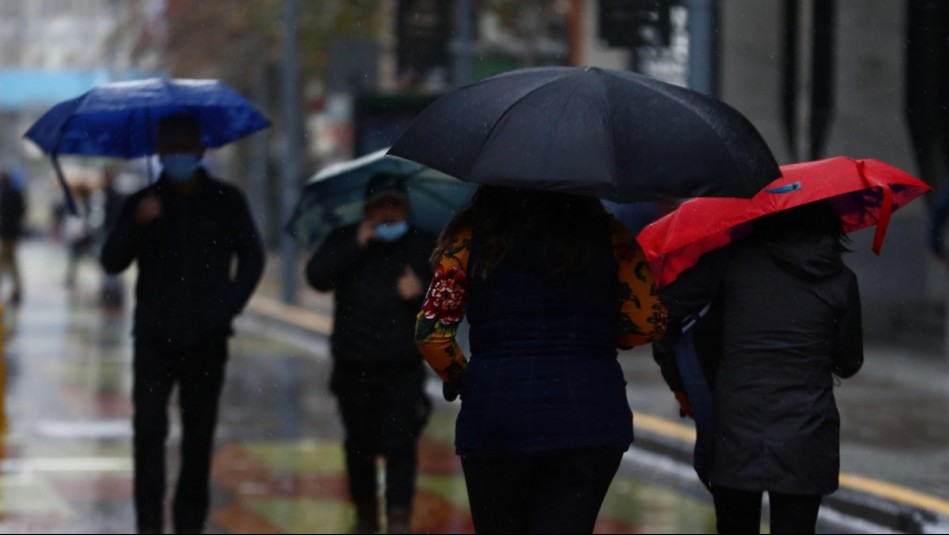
(662, 89)
(511, 107)
(563, 110)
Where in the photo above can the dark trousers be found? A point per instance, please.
(559, 493)
(199, 374)
(383, 415)
(739, 511)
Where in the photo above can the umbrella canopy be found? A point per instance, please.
(610, 134)
(119, 119)
(862, 192)
(334, 197)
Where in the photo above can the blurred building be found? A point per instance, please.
(831, 77)
(863, 78)
(52, 50)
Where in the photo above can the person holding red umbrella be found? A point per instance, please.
(758, 292)
(784, 320)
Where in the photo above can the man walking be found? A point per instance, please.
(184, 232)
(379, 270)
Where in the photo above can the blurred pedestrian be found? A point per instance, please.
(551, 286)
(112, 291)
(784, 321)
(12, 213)
(78, 233)
(378, 269)
(184, 232)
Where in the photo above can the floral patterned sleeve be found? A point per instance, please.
(643, 317)
(444, 307)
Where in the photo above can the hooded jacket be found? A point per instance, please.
(785, 320)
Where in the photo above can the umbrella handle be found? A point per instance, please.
(70, 203)
(886, 210)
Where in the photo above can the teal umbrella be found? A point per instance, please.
(334, 197)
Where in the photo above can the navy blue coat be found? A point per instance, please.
(543, 375)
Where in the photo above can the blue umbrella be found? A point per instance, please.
(119, 119)
(334, 197)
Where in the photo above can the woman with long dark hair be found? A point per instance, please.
(784, 321)
(551, 286)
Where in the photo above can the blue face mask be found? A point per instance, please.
(180, 167)
(392, 231)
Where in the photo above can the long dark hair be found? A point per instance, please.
(500, 214)
(812, 219)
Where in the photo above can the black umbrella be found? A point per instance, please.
(610, 134)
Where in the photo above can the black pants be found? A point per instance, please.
(739, 511)
(383, 415)
(199, 373)
(548, 494)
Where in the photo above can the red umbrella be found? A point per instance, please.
(862, 192)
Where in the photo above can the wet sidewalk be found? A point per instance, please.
(278, 468)
(65, 455)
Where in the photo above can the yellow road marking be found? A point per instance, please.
(895, 493)
(890, 491)
(322, 324)
(664, 427)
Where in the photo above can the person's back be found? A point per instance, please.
(783, 303)
(551, 286)
(790, 320)
(540, 340)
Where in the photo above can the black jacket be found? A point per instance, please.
(186, 295)
(12, 210)
(374, 328)
(785, 319)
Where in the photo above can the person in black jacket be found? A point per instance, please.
(184, 231)
(785, 320)
(12, 211)
(379, 271)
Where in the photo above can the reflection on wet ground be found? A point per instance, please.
(66, 449)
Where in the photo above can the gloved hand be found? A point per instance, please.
(451, 389)
(684, 408)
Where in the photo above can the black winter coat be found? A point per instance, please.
(186, 295)
(785, 319)
(374, 327)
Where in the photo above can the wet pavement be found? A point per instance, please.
(66, 429)
(66, 442)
